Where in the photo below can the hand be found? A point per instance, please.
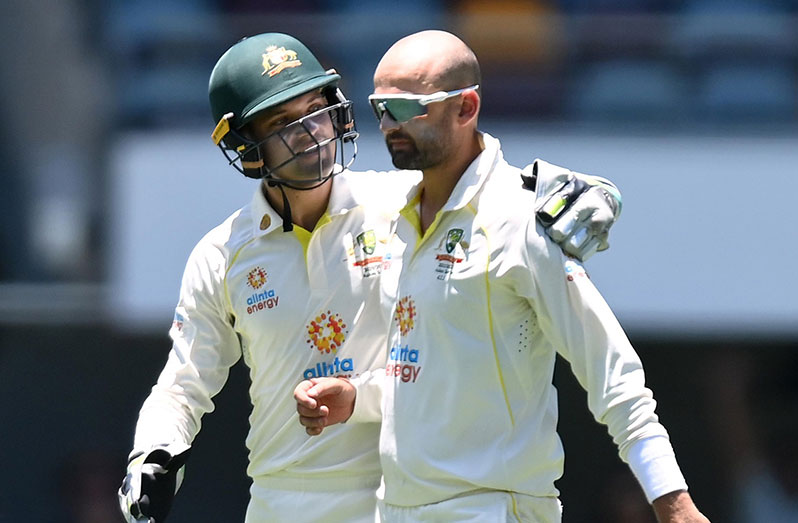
(152, 481)
(677, 507)
(576, 209)
(322, 402)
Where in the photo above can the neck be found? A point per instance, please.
(439, 182)
(307, 207)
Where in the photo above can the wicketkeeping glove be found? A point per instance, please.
(577, 210)
(152, 481)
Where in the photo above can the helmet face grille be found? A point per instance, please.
(303, 154)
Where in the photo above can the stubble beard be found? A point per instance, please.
(412, 157)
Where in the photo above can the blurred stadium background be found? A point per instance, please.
(110, 177)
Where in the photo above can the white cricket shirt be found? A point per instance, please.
(296, 305)
(485, 302)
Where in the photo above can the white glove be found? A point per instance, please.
(577, 210)
(153, 478)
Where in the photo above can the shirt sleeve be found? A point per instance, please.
(653, 463)
(368, 402)
(204, 347)
(580, 325)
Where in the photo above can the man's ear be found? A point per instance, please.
(469, 107)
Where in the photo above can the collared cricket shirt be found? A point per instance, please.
(485, 302)
(295, 305)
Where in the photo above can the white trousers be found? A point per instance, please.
(482, 506)
(294, 504)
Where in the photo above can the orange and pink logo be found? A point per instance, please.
(405, 315)
(256, 278)
(327, 332)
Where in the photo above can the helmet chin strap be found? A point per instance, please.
(288, 221)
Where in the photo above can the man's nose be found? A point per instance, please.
(387, 122)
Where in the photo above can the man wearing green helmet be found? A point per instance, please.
(298, 283)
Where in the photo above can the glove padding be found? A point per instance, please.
(577, 210)
(152, 481)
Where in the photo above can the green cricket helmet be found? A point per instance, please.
(259, 73)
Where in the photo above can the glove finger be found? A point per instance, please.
(565, 226)
(583, 229)
(593, 208)
(585, 250)
(603, 239)
(578, 239)
(588, 218)
(124, 502)
(179, 459)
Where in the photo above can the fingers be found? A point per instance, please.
(302, 397)
(323, 401)
(309, 391)
(314, 420)
(312, 414)
(320, 412)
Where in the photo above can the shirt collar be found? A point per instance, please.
(341, 198)
(475, 175)
(265, 219)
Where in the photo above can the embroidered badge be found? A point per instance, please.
(277, 59)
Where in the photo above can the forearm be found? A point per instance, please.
(677, 507)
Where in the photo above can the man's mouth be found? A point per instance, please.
(398, 141)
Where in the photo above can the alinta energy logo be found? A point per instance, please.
(256, 278)
(405, 315)
(263, 299)
(403, 362)
(327, 332)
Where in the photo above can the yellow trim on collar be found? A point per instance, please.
(411, 214)
(304, 236)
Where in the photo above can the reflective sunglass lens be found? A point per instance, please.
(399, 109)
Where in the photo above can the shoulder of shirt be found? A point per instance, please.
(505, 205)
(503, 196)
(219, 244)
(386, 190)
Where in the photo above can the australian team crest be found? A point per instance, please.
(276, 59)
(363, 249)
(446, 262)
(453, 237)
(367, 241)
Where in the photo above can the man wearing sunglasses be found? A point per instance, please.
(485, 301)
(292, 283)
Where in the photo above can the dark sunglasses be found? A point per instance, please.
(402, 107)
